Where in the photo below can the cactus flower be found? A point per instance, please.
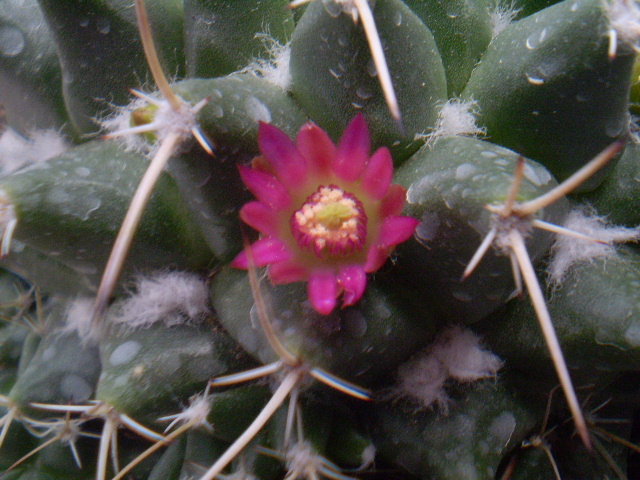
(327, 214)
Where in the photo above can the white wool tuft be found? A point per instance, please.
(275, 69)
(17, 151)
(456, 117)
(172, 298)
(120, 120)
(79, 320)
(568, 250)
(502, 15)
(624, 20)
(456, 354)
(195, 414)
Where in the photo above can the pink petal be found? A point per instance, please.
(322, 290)
(287, 272)
(316, 146)
(376, 178)
(265, 251)
(278, 149)
(353, 150)
(353, 280)
(393, 201)
(376, 258)
(261, 217)
(395, 230)
(266, 188)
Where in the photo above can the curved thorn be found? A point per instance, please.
(152, 56)
(247, 375)
(514, 188)
(480, 253)
(129, 226)
(571, 183)
(289, 382)
(340, 384)
(141, 430)
(7, 236)
(550, 227)
(153, 448)
(377, 52)
(544, 319)
(261, 308)
(103, 452)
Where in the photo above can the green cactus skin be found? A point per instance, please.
(485, 422)
(331, 73)
(226, 36)
(80, 58)
(462, 31)
(71, 207)
(30, 74)
(547, 88)
(618, 198)
(596, 314)
(449, 185)
(147, 372)
(351, 343)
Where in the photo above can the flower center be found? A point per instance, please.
(331, 220)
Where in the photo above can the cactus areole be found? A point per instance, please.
(327, 214)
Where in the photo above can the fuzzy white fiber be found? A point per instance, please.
(275, 69)
(169, 297)
(568, 250)
(79, 320)
(456, 117)
(624, 19)
(17, 151)
(456, 354)
(502, 15)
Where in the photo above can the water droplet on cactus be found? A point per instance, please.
(124, 353)
(11, 41)
(534, 80)
(257, 110)
(615, 126)
(364, 93)
(332, 7)
(103, 25)
(397, 18)
(371, 68)
(75, 387)
(84, 22)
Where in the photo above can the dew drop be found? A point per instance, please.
(257, 110)
(12, 41)
(371, 68)
(397, 18)
(75, 387)
(103, 25)
(83, 171)
(332, 7)
(534, 80)
(124, 353)
(364, 93)
(217, 110)
(84, 22)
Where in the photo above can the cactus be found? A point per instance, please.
(346, 239)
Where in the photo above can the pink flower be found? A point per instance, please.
(328, 215)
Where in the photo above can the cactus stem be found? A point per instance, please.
(290, 381)
(544, 318)
(152, 56)
(129, 225)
